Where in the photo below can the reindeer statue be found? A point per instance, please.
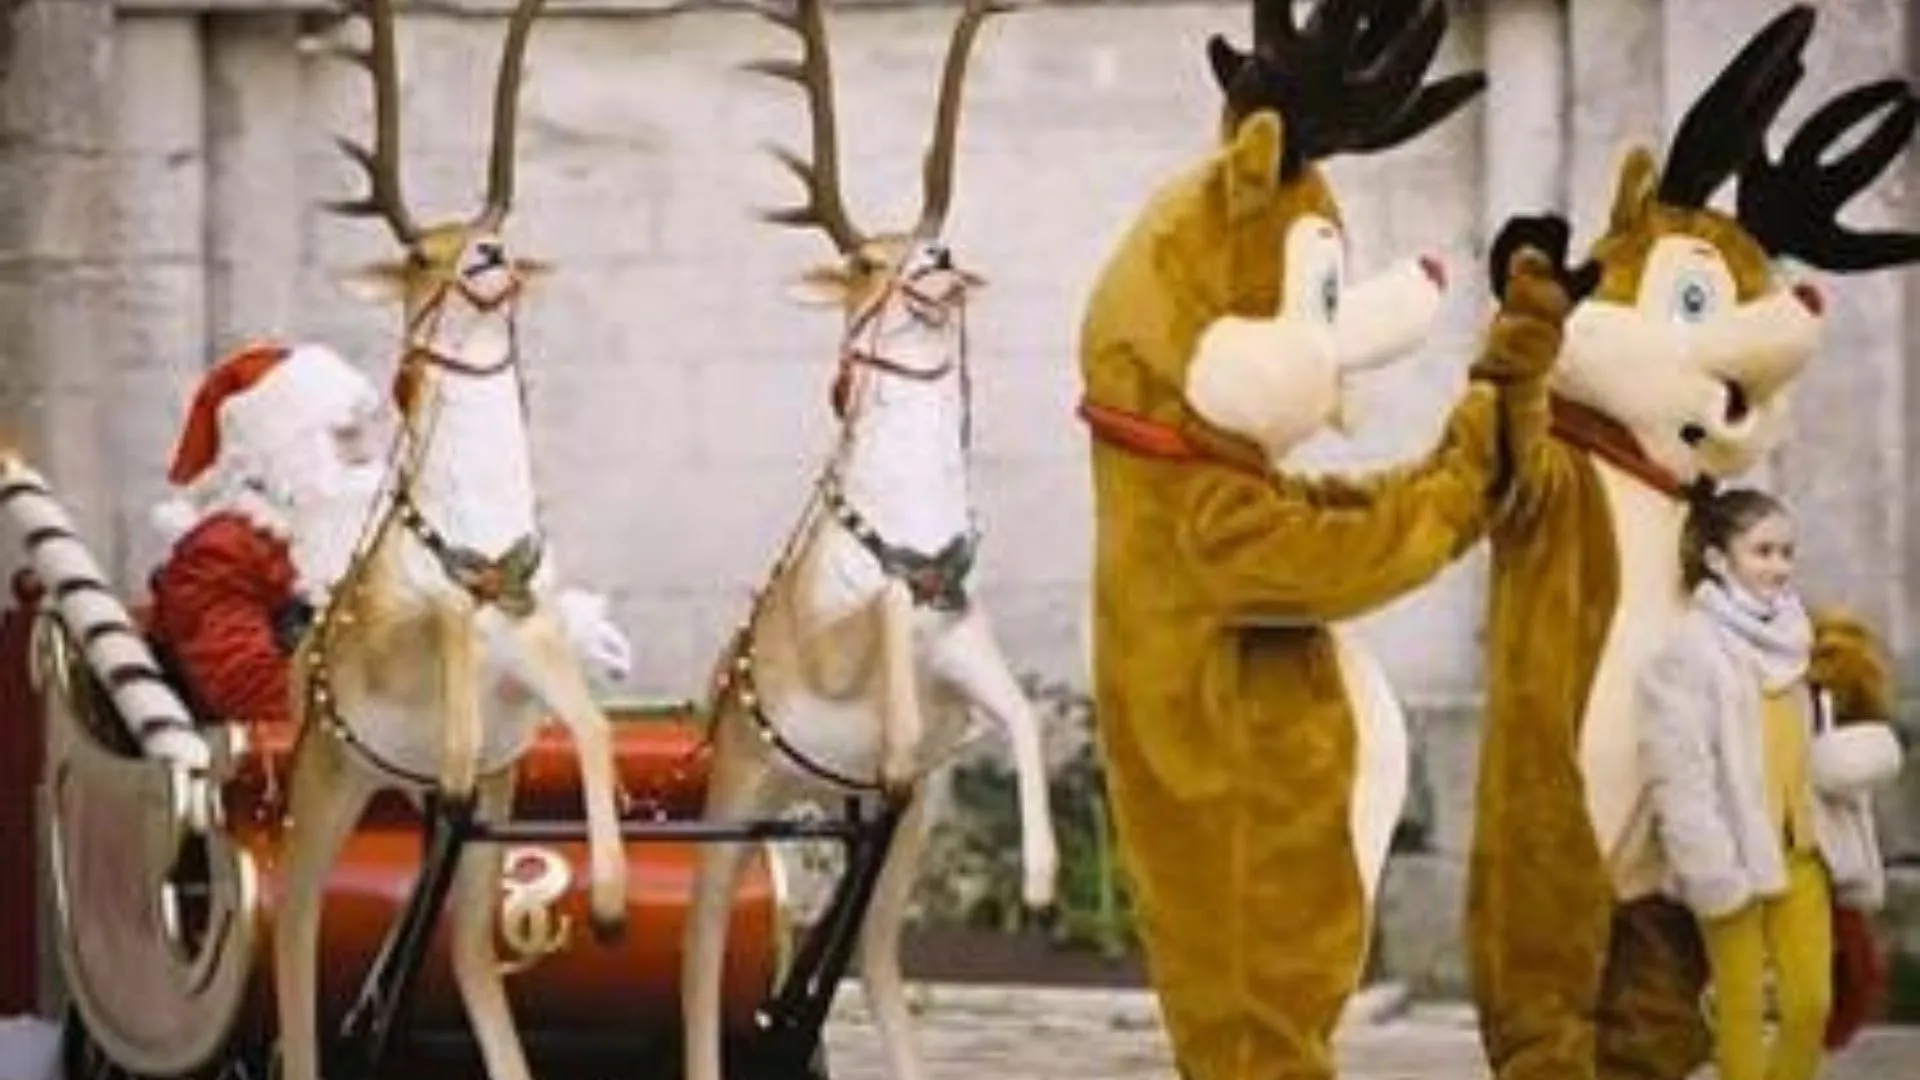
(863, 654)
(431, 663)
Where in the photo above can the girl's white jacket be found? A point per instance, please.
(1701, 756)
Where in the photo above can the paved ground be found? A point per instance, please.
(992, 1033)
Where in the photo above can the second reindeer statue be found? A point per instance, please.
(864, 653)
(443, 646)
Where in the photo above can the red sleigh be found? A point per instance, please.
(162, 931)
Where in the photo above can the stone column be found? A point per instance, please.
(161, 191)
(56, 248)
(1615, 79)
(1523, 156)
(1909, 623)
(254, 134)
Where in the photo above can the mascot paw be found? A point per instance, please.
(1849, 664)
(1526, 334)
(1550, 235)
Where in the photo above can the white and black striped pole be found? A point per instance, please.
(114, 649)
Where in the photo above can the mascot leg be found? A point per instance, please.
(1651, 1026)
(1539, 920)
(1249, 901)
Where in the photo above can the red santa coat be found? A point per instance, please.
(216, 601)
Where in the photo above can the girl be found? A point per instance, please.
(1761, 812)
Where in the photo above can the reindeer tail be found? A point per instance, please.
(153, 714)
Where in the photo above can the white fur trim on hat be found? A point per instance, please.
(313, 387)
(1854, 758)
(171, 518)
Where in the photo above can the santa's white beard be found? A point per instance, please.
(328, 517)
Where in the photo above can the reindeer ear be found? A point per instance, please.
(531, 270)
(822, 286)
(1253, 165)
(380, 283)
(1633, 191)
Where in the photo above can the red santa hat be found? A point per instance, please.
(263, 395)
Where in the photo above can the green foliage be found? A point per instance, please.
(972, 873)
(1903, 989)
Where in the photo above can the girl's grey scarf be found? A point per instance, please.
(1776, 635)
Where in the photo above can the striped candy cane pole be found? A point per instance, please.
(153, 713)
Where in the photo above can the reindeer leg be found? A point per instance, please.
(901, 722)
(969, 658)
(736, 789)
(880, 974)
(545, 663)
(327, 794)
(475, 964)
(460, 698)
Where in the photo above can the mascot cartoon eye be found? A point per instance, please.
(1330, 294)
(1693, 298)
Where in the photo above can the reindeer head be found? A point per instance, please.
(1272, 366)
(455, 275)
(900, 291)
(1691, 339)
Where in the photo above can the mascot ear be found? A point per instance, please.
(1253, 165)
(1633, 191)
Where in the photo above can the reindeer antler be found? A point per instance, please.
(1727, 124)
(937, 183)
(382, 163)
(1793, 206)
(814, 74)
(505, 110)
(1348, 80)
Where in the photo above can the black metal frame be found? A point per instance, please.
(785, 1043)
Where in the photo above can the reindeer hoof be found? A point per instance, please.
(608, 929)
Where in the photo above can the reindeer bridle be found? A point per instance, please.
(929, 311)
(419, 348)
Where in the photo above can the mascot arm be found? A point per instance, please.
(1519, 354)
(211, 610)
(1676, 710)
(1318, 550)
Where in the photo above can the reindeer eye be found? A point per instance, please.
(1693, 299)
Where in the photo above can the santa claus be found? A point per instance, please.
(277, 473)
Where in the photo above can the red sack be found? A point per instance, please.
(1859, 976)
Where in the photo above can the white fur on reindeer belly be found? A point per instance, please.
(476, 485)
(1381, 762)
(1646, 530)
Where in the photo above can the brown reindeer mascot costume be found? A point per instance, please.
(1255, 758)
(1672, 376)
